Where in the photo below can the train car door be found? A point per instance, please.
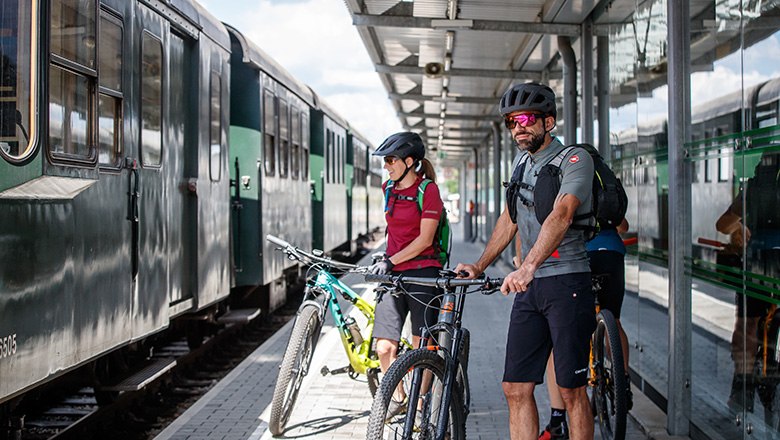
(178, 133)
(150, 299)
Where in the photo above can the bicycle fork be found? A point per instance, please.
(449, 346)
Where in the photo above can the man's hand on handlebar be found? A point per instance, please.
(518, 280)
(471, 271)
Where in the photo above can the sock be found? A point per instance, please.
(557, 417)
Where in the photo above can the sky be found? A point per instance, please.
(317, 43)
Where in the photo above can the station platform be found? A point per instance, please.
(337, 407)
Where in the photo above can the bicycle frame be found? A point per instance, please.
(330, 287)
(446, 337)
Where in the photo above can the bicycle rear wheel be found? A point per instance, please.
(294, 367)
(609, 388)
(422, 426)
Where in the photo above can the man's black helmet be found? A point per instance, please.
(528, 97)
(404, 144)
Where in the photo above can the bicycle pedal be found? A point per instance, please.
(324, 371)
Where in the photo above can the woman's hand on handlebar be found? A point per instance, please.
(470, 271)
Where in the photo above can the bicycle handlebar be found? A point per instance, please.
(300, 254)
(440, 282)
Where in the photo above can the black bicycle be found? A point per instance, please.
(433, 378)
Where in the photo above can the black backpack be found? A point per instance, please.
(763, 195)
(609, 201)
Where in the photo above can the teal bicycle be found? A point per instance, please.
(321, 294)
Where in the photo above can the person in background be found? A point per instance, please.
(606, 253)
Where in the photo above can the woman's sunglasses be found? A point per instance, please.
(391, 159)
(524, 119)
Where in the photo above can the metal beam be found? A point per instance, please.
(530, 27)
(437, 98)
(437, 116)
(477, 73)
(680, 326)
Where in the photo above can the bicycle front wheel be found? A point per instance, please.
(609, 397)
(423, 423)
(294, 367)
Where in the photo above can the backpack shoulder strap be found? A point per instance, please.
(421, 191)
(558, 159)
(388, 189)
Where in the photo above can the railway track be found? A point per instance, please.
(141, 414)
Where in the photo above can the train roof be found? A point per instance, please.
(769, 92)
(723, 105)
(257, 58)
(360, 137)
(322, 106)
(207, 23)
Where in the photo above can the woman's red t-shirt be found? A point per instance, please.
(403, 222)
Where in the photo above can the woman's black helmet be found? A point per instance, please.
(528, 97)
(404, 144)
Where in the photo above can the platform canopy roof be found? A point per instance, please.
(445, 63)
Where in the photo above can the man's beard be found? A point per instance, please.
(533, 144)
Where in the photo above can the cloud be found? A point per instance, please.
(317, 43)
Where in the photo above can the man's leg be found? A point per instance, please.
(580, 414)
(523, 414)
(558, 428)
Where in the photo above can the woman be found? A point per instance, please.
(410, 248)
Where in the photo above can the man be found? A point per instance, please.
(554, 306)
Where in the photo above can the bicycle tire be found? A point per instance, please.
(609, 393)
(463, 376)
(294, 367)
(396, 374)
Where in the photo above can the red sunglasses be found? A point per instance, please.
(524, 119)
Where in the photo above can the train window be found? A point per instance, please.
(73, 31)
(69, 114)
(766, 115)
(18, 80)
(724, 165)
(328, 154)
(215, 144)
(110, 97)
(73, 81)
(305, 136)
(269, 133)
(295, 154)
(707, 171)
(151, 100)
(284, 138)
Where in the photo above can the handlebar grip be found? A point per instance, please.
(378, 278)
(277, 241)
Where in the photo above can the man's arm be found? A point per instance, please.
(502, 235)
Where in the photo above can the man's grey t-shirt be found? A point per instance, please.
(577, 180)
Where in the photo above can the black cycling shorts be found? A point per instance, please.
(613, 287)
(556, 313)
(422, 305)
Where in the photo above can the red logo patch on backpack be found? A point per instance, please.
(574, 159)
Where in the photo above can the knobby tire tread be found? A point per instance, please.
(607, 330)
(307, 326)
(412, 359)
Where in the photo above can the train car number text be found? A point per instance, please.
(8, 346)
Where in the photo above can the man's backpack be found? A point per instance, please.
(442, 239)
(609, 200)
